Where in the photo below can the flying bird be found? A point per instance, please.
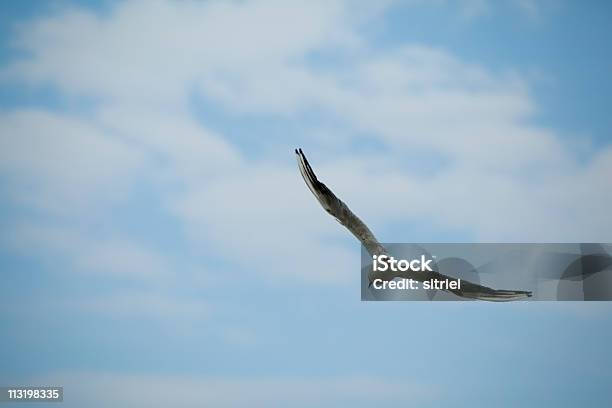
(341, 212)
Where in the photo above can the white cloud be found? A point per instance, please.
(152, 277)
(83, 251)
(499, 177)
(179, 148)
(151, 51)
(261, 219)
(124, 390)
(62, 163)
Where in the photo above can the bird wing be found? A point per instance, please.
(340, 211)
(471, 290)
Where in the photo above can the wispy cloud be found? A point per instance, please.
(183, 221)
(123, 390)
(507, 179)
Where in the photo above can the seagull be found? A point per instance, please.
(341, 212)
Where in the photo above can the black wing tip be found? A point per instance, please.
(509, 294)
(500, 295)
(521, 292)
(309, 171)
(515, 293)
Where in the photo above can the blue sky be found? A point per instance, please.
(156, 232)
